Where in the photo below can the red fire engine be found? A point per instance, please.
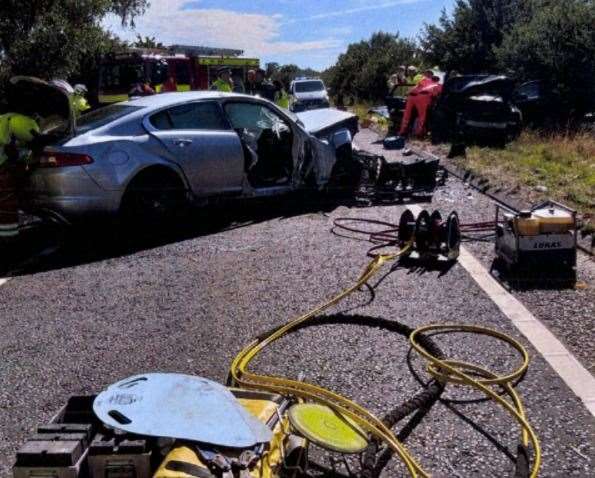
(192, 68)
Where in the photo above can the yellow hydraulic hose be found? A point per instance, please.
(443, 370)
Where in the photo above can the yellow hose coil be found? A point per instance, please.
(443, 370)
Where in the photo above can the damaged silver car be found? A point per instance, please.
(145, 156)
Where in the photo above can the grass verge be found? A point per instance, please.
(560, 167)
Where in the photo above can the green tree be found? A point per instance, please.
(466, 40)
(55, 38)
(147, 42)
(363, 70)
(285, 74)
(271, 69)
(556, 44)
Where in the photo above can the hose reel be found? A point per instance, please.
(432, 236)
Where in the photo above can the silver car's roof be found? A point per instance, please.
(165, 99)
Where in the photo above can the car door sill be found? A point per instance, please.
(271, 190)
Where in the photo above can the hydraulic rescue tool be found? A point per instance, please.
(432, 236)
(166, 425)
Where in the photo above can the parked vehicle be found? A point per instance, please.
(308, 93)
(476, 108)
(540, 104)
(144, 157)
(192, 68)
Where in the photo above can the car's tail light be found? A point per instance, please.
(50, 159)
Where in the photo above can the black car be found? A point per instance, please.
(476, 108)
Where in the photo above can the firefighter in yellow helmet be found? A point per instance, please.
(17, 131)
(223, 82)
(79, 101)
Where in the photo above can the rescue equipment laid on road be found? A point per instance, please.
(545, 235)
(261, 426)
(389, 180)
(432, 236)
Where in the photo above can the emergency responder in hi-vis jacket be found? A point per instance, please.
(281, 96)
(223, 81)
(17, 131)
(79, 100)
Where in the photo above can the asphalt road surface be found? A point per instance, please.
(79, 319)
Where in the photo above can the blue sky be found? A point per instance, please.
(308, 32)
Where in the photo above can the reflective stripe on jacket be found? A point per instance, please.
(220, 85)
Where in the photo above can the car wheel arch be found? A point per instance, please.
(155, 171)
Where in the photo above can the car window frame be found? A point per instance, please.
(258, 102)
(535, 85)
(149, 126)
(105, 122)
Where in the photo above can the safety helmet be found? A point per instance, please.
(80, 89)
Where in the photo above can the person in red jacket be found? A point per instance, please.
(420, 101)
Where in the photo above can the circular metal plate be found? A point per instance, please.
(422, 231)
(328, 429)
(406, 226)
(435, 226)
(453, 240)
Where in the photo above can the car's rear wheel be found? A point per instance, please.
(154, 197)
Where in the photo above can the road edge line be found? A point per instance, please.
(562, 361)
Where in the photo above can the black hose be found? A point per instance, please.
(420, 403)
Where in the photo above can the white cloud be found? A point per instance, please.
(256, 34)
(359, 9)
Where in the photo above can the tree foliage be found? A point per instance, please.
(287, 73)
(466, 41)
(363, 70)
(56, 38)
(556, 44)
(528, 39)
(147, 42)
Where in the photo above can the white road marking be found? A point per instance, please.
(564, 363)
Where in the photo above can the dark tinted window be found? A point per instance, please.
(529, 91)
(102, 116)
(309, 86)
(191, 116)
(120, 76)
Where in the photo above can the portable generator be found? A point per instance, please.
(542, 237)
